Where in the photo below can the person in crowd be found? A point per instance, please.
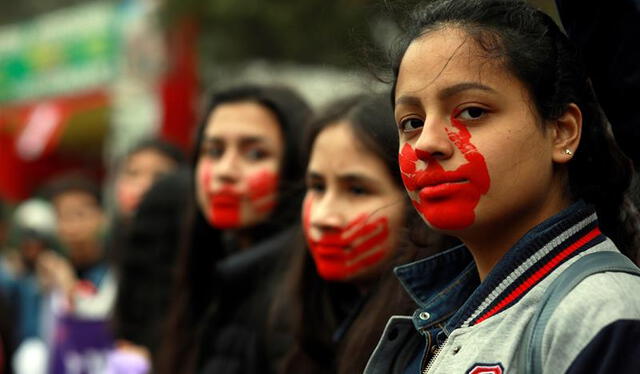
(139, 168)
(338, 292)
(503, 145)
(21, 329)
(80, 218)
(80, 281)
(146, 273)
(33, 233)
(247, 187)
(134, 173)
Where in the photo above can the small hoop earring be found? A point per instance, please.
(568, 151)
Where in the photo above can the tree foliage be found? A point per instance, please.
(305, 31)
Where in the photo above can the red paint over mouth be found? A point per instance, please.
(222, 200)
(225, 208)
(443, 190)
(447, 198)
(346, 252)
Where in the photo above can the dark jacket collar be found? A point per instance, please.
(257, 259)
(448, 282)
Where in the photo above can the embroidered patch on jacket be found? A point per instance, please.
(478, 368)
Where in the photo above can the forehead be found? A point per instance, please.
(73, 199)
(149, 155)
(337, 151)
(446, 56)
(242, 119)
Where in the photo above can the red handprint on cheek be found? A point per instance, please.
(262, 190)
(344, 253)
(446, 199)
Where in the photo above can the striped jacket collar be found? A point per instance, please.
(434, 286)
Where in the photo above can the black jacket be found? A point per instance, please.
(233, 335)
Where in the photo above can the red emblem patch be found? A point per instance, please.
(486, 369)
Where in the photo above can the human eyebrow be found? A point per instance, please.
(311, 175)
(357, 178)
(407, 100)
(211, 141)
(461, 87)
(252, 140)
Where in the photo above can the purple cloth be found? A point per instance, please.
(125, 362)
(80, 346)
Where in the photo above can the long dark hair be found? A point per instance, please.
(116, 239)
(532, 47)
(195, 283)
(147, 263)
(309, 301)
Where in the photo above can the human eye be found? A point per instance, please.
(358, 190)
(256, 154)
(472, 113)
(410, 124)
(316, 186)
(213, 150)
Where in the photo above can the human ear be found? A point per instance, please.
(566, 132)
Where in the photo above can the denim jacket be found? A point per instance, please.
(472, 327)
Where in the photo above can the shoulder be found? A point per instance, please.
(604, 296)
(601, 313)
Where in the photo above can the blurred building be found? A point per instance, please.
(81, 83)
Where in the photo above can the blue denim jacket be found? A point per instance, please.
(447, 289)
(439, 285)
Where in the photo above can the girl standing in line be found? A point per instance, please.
(503, 145)
(339, 289)
(247, 187)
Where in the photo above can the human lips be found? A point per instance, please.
(440, 184)
(225, 199)
(331, 247)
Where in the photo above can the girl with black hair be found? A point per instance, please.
(247, 186)
(146, 270)
(338, 291)
(142, 165)
(503, 145)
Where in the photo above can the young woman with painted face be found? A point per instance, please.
(247, 187)
(338, 292)
(503, 145)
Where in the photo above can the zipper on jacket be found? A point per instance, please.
(434, 356)
(427, 353)
(432, 352)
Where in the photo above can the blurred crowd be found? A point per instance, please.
(270, 246)
(59, 256)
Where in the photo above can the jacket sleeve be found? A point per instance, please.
(615, 349)
(607, 34)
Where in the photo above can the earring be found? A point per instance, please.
(568, 151)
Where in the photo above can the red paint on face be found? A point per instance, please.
(447, 199)
(345, 252)
(224, 205)
(262, 190)
(128, 200)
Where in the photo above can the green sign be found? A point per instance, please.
(65, 51)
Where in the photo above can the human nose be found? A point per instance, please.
(326, 215)
(228, 167)
(434, 141)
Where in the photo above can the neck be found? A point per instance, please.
(237, 239)
(87, 257)
(489, 243)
